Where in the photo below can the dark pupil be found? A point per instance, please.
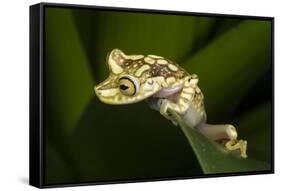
(123, 87)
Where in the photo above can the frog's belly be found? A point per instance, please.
(192, 117)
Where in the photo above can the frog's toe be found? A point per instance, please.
(237, 144)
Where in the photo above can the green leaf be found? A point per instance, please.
(69, 85)
(230, 65)
(129, 141)
(207, 29)
(213, 158)
(57, 171)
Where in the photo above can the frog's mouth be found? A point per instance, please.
(109, 92)
(113, 96)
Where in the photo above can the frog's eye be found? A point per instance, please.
(128, 85)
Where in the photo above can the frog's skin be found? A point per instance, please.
(167, 87)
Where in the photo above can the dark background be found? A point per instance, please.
(87, 140)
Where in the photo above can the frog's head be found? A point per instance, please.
(130, 79)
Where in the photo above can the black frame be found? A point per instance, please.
(36, 130)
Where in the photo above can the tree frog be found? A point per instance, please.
(166, 87)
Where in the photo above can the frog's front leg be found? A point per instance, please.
(167, 105)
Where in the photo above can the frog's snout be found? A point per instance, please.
(97, 91)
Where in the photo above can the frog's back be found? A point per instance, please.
(164, 67)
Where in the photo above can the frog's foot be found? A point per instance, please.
(237, 144)
(224, 132)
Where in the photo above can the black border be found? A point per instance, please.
(36, 139)
(37, 56)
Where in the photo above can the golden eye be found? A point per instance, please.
(128, 86)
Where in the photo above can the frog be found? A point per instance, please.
(167, 88)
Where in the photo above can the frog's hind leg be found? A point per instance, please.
(224, 132)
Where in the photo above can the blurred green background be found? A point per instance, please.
(88, 141)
